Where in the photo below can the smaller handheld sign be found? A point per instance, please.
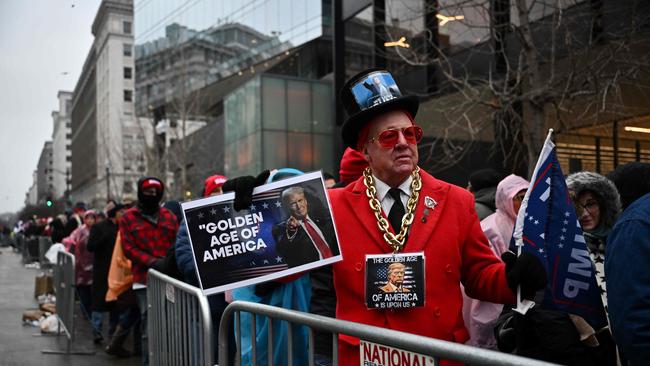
(288, 229)
(395, 281)
(373, 354)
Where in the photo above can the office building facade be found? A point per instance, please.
(108, 145)
(61, 140)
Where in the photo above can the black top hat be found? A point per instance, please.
(367, 94)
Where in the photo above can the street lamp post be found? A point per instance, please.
(108, 183)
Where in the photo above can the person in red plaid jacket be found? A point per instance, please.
(147, 231)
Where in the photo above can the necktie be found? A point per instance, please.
(397, 211)
(320, 244)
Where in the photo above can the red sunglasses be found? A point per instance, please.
(388, 138)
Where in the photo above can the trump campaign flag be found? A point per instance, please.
(547, 226)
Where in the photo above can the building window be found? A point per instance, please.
(126, 27)
(68, 158)
(127, 73)
(127, 49)
(128, 96)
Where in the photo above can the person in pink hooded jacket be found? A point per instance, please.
(481, 316)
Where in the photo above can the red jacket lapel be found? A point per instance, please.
(355, 197)
(421, 231)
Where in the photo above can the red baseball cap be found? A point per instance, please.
(213, 182)
(151, 182)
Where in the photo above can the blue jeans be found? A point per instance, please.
(142, 304)
(98, 320)
(129, 318)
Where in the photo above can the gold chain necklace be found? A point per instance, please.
(394, 241)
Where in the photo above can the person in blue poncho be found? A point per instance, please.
(292, 292)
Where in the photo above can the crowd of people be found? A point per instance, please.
(384, 204)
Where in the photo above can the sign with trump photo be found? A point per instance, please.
(287, 229)
(394, 281)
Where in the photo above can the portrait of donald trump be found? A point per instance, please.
(305, 236)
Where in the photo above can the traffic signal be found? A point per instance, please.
(49, 202)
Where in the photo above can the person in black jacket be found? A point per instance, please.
(75, 220)
(101, 241)
(58, 228)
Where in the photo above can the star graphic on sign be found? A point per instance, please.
(560, 245)
(562, 237)
(564, 230)
(253, 208)
(265, 205)
(566, 222)
(213, 212)
(541, 250)
(531, 218)
(566, 214)
(412, 304)
(536, 222)
(278, 204)
(266, 261)
(200, 215)
(278, 259)
(226, 209)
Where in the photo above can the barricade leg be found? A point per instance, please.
(65, 290)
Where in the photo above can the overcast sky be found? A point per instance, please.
(40, 41)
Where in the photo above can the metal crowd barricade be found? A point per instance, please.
(435, 348)
(44, 243)
(179, 325)
(65, 294)
(30, 249)
(4, 240)
(20, 242)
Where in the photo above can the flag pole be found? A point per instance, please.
(523, 305)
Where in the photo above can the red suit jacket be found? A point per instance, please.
(455, 249)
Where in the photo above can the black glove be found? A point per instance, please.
(159, 265)
(525, 271)
(243, 188)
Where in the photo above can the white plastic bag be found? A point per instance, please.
(51, 253)
(50, 324)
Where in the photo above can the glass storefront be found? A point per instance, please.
(181, 47)
(275, 122)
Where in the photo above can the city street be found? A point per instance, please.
(18, 345)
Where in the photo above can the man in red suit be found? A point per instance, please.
(443, 225)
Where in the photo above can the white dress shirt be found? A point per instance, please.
(386, 200)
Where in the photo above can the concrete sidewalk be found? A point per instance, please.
(18, 345)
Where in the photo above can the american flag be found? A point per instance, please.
(547, 226)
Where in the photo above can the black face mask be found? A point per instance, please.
(149, 204)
